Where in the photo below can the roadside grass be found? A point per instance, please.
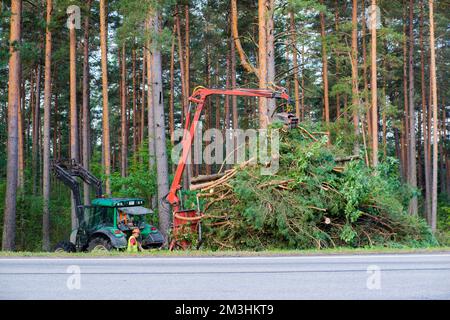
(228, 253)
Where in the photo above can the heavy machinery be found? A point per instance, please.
(188, 218)
(108, 222)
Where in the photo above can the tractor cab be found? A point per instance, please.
(113, 220)
(130, 218)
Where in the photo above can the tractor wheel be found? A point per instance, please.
(99, 244)
(65, 246)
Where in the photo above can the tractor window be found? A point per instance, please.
(102, 216)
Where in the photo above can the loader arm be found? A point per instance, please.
(65, 177)
(198, 99)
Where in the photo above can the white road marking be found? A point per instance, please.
(336, 257)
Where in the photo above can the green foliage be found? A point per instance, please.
(140, 181)
(321, 207)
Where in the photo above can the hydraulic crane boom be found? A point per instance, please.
(198, 99)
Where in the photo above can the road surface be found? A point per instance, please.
(387, 276)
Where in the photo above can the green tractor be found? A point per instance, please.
(107, 223)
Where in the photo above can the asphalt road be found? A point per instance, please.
(415, 276)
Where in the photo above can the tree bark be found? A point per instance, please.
(295, 63)
(159, 130)
(271, 104)
(262, 54)
(46, 144)
(405, 130)
(412, 172)
(21, 143)
(324, 67)
(435, 118)
(36, 129)
(172, 89)
(373, 86)
(338, 67)
(9, 216)
(86, 109)
(367, 109)
(123, 114)
(355, 80)
(144, 72)
(134, 98)
(105, 113)
(74, 146)
(150, 106)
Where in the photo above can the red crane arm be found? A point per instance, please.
(198, 97)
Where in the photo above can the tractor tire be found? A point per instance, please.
(65, 246)
(99, 244)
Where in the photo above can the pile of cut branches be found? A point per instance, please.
(318, 198)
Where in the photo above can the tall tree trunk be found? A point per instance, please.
(404, 158)
(123, 132)
(172, 90)
(134, 98)
(412, 172)
(234, 108)
(187, 50)
(324, 67)
(105, 113)
(367, 109)
(150, 105)
(355, 81)
(144, 72)
(36, 130)
(302, 100)
(74, 147)
(9, 216)
(21, 143)
(435, 118)
(184, 90)
(373, 85)
(208, 111)
(46, 144)
(295, 63)
(425, 130)
(86, 109)
(262, 54)
(338, 67)
(160, 132)
(271, 104)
